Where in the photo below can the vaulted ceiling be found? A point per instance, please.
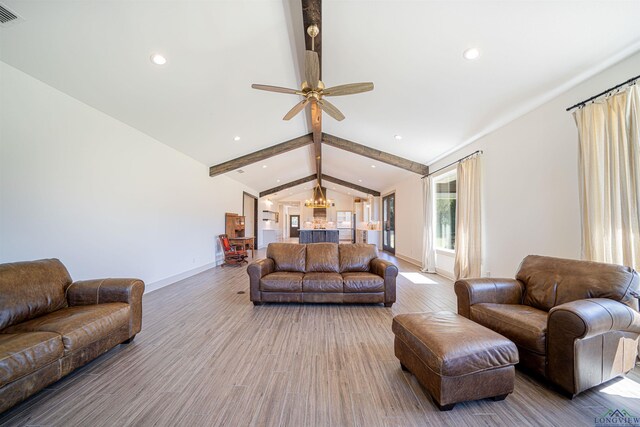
(98, 52)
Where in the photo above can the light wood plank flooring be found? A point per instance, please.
(208, 357)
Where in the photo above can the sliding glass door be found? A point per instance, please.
(389, 223)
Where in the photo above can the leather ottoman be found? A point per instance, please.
(454, 358)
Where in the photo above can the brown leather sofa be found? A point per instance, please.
(50, 326)
(574, 322)
(322, 272)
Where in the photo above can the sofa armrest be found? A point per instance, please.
(486, 290)
(100, 291)
(388, 271)
(256, 271)
(383, 268)
(583, 334)
(586, 318)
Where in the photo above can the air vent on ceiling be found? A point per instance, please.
(240, 171)
(6, 15)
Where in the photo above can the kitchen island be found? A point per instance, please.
(319, 235)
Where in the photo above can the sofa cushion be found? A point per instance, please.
(79, 325)
(524, 325)
(356, 256)
(553, 281)
(31, 289)
(322, 282)
(323, 257)
(282, 281)
(362, 282)
(288, 256)
(24, 353)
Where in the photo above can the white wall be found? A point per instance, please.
(408, 217)
(531, 203)
(106, 199)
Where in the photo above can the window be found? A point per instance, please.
(445, 216)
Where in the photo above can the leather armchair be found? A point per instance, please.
(574, 322)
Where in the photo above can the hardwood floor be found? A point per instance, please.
(206, 357)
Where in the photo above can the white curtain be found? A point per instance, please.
(468, 253)
(609, 178)
(429, 254)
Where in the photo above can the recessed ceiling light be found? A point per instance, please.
(359, 180)
(398, 137)
(373, 166)
(277, 180)
(158, 59)
(236, 138)
(471, 53)
(264, 166)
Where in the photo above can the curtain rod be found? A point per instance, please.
(453, 163)
(583, 103)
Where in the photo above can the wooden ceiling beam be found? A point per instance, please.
(372, 153)
(312, 15)
(347, 184)
(260, 155)
(288, 185)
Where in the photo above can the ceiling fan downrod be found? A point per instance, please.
(313, 31)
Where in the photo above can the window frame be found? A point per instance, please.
(444, 176)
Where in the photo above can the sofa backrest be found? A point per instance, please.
(288, 256)
(322, 257)
(551, 281)
(356, 256)
(31, 289)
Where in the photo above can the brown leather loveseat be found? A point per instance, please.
(322, 272)
(50, 326)
(574, 322)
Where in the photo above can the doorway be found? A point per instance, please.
(389, 223)
(250, 212)
(294, 225)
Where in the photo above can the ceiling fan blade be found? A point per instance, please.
(348, 89)
(331, 110)
(296, 109)
(311, 68)
(275, 89)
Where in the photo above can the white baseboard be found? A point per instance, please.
(150, 287)
(409, 259)
(445, 273)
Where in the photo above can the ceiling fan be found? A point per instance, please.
(313, 89)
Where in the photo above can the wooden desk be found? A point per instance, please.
(245, 242)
